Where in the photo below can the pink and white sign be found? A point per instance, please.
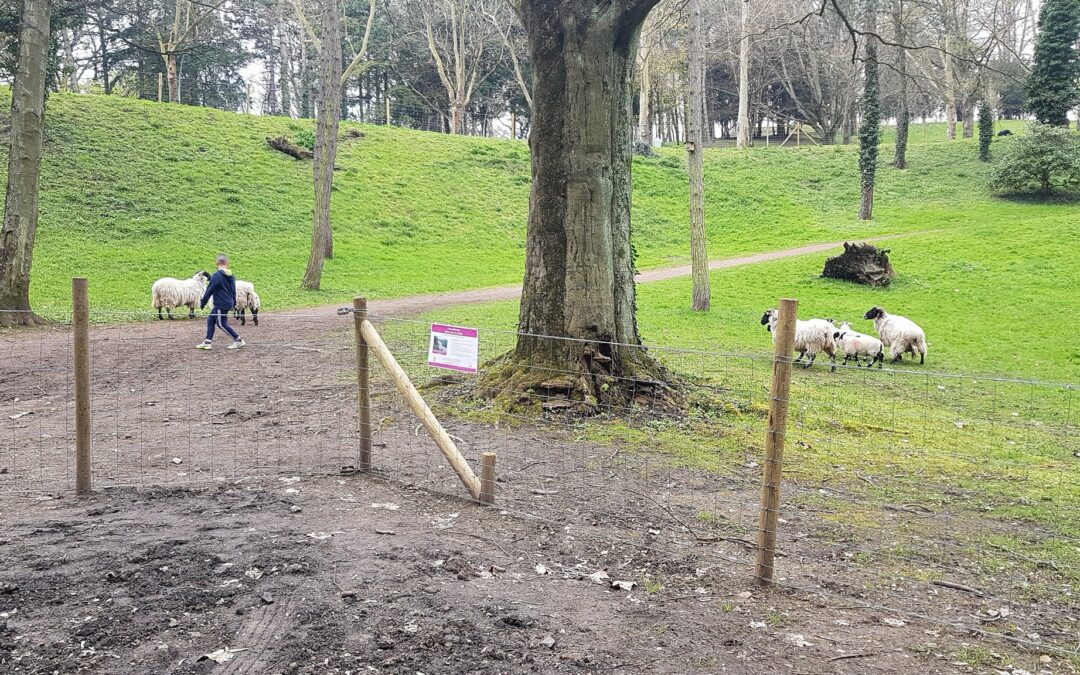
(453, 347)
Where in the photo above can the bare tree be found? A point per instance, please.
(24, 165)
(332, 77)
(742, 129)
(695, 146)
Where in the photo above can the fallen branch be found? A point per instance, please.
(282, 144)
(851, 656)
(958, 587)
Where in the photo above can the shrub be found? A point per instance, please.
(1044, 160)
(305, 138)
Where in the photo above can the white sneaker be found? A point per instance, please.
(205, 344)
(237, 344)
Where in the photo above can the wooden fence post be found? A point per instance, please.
(421, 410)
(774, 441)
(81, 341)
(487, 478)
(363, 382)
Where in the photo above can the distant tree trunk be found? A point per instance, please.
(903, 113)
(284, 63)
(24, 165)
(695, 144)
(742, 133)
(172, 77)
(579, 263)
(968, 115)
(103, 56)
(870, 132)
(71, 70)
(986, 127)
(645, 132)
(328, 111)
(950, 92)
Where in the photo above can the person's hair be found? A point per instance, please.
(222, 259)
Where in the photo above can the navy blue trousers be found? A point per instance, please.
(219, 318)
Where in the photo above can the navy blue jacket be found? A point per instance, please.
(222, 288)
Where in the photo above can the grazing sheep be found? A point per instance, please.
(1005, 132)
(855, 345)
(899, 334)
(246, 299)
(171, 293)
(811, 336)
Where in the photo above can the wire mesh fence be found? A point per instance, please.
(946, 497)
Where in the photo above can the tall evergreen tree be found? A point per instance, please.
(1053, 87)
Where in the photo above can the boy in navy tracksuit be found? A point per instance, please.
(222, 288)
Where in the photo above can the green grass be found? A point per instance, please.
(134, 190)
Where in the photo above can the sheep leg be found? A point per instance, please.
(810, 361)
(800, 357)
(191, 311)
(241, 316)
(255, 316)
(168, 310)
(159, 316)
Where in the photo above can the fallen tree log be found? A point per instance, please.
(861, 263)
(282, 144)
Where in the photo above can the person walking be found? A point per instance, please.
(222, 288)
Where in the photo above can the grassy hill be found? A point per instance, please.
(134, 190)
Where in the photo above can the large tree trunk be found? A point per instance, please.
(24, 165)
(695, 144)
(742, 133)
(968, 116)
(579, 264)
(328, 111)
(903, 113)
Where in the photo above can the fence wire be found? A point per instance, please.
(930, 495)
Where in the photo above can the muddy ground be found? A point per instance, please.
(222, 519)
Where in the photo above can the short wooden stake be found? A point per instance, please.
(774, 441)
(81, 341)
(363, 383)
(421, 410)
(160, 85)
(487, 478)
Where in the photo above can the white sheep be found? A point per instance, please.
(246, 299)
(899, 334)
(169, 293)
(811, 336)
(854, 345)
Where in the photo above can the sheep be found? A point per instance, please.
(899, 334)
(854, 345)
(246, 299)
(811, 336)
(170, 293)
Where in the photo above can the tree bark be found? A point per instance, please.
(172, 77)
(950, 92)
(968, 116)
(24, 165)
(103, 39)
(742, 133)
(328, 111)
(695, 145)
(579, 263)
(284, 63)
(870, 131)
(645, 131)
(903, 113)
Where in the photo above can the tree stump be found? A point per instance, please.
(861, 263)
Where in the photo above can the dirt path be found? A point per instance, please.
(424, 303)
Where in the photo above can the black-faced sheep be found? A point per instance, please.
(169, 293)
(811, 336)
(900, 334)
(855, 345)
(246, 299)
